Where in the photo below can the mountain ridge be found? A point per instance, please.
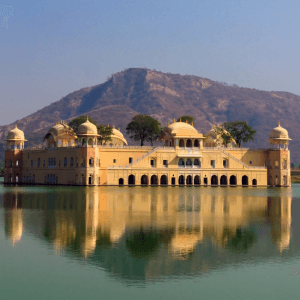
(166, 96)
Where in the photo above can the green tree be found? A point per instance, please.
(240, 131)
(105, 133)
(75, 123)
(143, 128)
(189, 119)
(225, 135)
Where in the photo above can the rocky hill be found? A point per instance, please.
(166, 96)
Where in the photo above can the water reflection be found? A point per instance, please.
(146, 233)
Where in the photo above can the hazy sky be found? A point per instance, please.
(51, 48)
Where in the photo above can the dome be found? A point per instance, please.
(16, 134)
(117, 134)
(279, 133)
(59, 129)
(181, 126)
(87, 128)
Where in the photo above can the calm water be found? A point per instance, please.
(171, 242)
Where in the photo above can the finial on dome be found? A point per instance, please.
(186, 121)
(278, 123)
(174, 121)
(113, 126)
(180, 120)
(119, 128)
(15, 125)
(168, 123)
(192, 123)
(87, 118)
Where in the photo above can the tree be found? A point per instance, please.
(225, 135)
(78, 121)
(240, 131)
(105, 133)
(143, 128)
(189, 119)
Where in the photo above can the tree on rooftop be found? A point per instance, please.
(240, 131)
(143, 128)
(189, 119)
(105, 133)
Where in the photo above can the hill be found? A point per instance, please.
(166, 96)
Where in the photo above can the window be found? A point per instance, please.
(225, 163)
(276, 164)
(72, 162)
(65, 162)
(251, 162)
(44, 163)
(17, 163)
(165, 163)
(213, 163)
(31, 163)
(284, 164)
(266, 164)
(115, 161)
(130, 160)
(152, 163)
(10, 163)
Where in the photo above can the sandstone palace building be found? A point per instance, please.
(186, 157)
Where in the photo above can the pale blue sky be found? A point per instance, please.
(52, 48)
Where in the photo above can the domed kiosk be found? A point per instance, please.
(87, 133)
(117, 138)
(183, 135)
(60, 135)
(214, 137)
(279, 137)
(15, 139)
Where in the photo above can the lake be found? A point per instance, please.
(150, 242)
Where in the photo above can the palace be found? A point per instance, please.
(186, 157)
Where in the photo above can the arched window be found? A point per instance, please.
(72, 162)
(189, 162)
(33, 178)
(144, 180)
(181, 143)
(254, 182)
(121, 181)
(197, 163)
(196, 143)
(181, 162)
(65, 162)
(189, 143)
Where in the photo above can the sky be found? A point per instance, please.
(49, 49)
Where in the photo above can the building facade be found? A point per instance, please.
(186, 157)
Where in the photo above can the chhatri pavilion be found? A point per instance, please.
(185, 157)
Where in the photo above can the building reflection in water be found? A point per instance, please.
(145, 223)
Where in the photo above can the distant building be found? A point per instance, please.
(186, 157)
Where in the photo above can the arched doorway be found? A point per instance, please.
(214, 180)
(232, 180)
(189, 143)
(181, 180)
(205, 180)
(197, 180)
(245, 180)
(154, 180)
(189, 180)
(121, 181)
(181, 143)
(196, 143)
(173, 181)
(144, 180)
(223, 180)
(254, 182)
(163, 180)
(131, 179)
